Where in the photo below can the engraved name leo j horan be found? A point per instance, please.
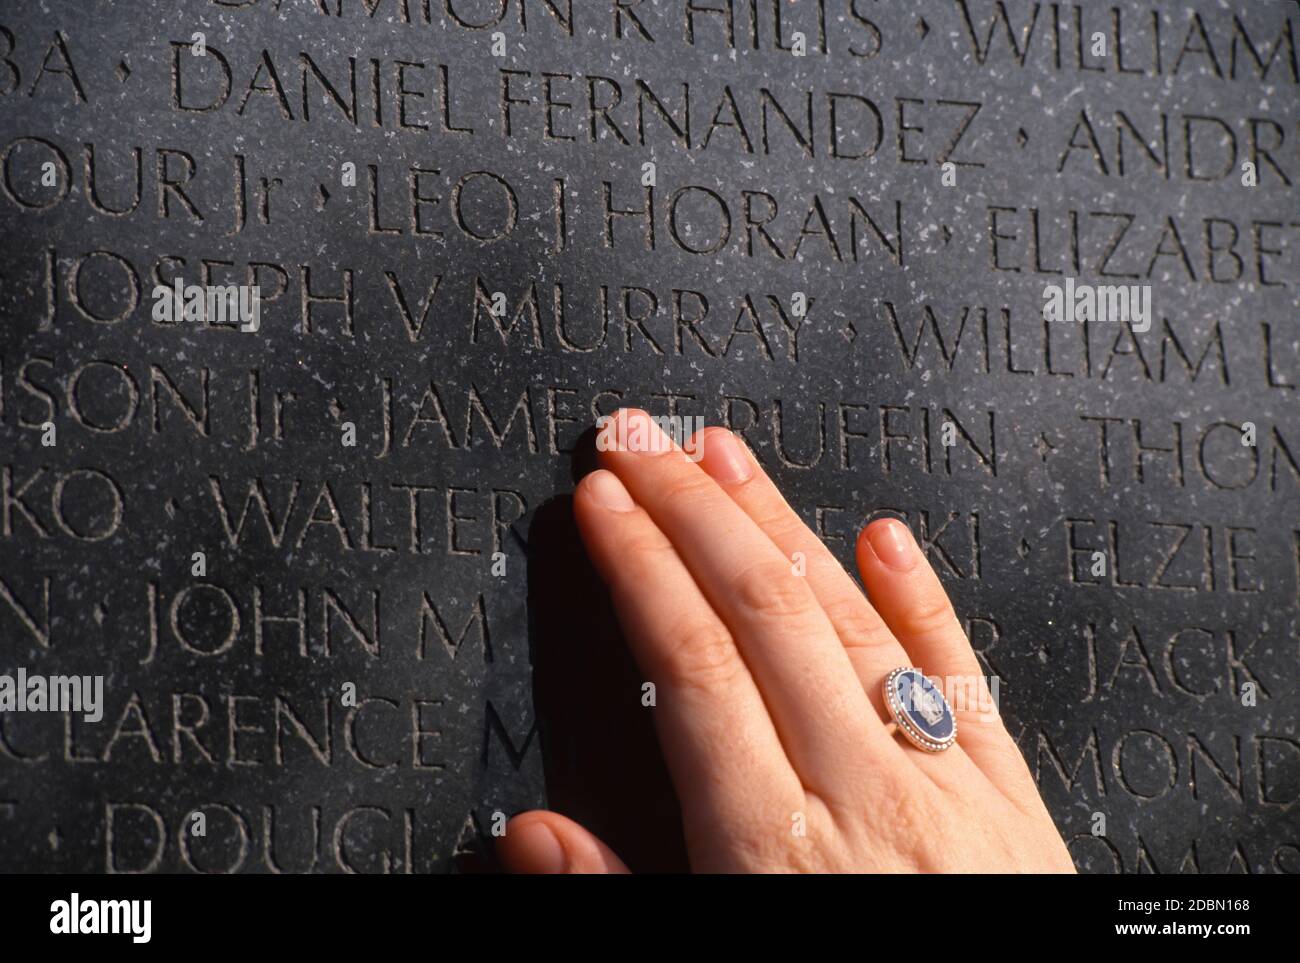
(103, 916)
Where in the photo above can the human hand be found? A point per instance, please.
(769, 704)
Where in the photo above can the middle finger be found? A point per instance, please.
(820, 710)
(873, 649)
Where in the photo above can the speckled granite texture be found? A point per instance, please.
(476, 224)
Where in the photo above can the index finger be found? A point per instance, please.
(822, 714)
(718, 740)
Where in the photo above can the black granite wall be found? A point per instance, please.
(315, 562)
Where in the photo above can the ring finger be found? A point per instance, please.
(872, 648)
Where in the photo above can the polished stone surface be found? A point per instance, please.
(325, 568)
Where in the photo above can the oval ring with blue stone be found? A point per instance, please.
(920, 710)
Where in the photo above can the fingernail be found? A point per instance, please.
(609, 491)
(893, 544)
(644, 436)
(726, 459)
(547, 856)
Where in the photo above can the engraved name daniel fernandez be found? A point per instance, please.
(132, 916)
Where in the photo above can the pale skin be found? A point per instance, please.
(768, 683)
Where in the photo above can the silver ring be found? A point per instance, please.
(919, 710)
